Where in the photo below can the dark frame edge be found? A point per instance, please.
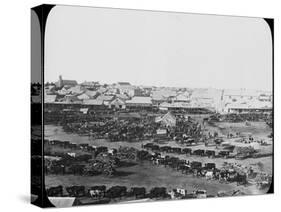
(270, 23)
(42, 12)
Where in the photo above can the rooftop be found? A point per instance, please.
(50, 98)
(123, 83)
(140, 100)
(240, 92)
(105, 97)
(92, 102)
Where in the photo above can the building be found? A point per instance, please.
(50, 98)
(208, 98)
(92, 102)
(83, 96)
(265, 97)
(117, 103)
(101, 90)
(158, 98)
(139, 101)
(181, 98)
(91, 94)
(187, 107)
(77, 89)
(139, 92)
(249, 107)
(126, 88)
(63, 91)
(163, 95)
(71, 99)
(61, 82)
(123, 84)
(168, 120)
(124, 97)
(105, 98)
(238, 95)
(90, 85)
(111, 91)
(50, 89)
(244, 101)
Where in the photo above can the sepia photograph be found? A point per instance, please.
(141, 106)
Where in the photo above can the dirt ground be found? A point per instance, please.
(149, 175)
(259, 164)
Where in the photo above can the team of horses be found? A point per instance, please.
(177, 150)
(113, 156)
(100, 192)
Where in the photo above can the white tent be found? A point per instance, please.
(62, 202)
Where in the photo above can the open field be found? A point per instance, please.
(148, 175)
(56, 133)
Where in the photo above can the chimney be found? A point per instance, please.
(60, 81)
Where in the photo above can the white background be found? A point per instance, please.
(15, 116)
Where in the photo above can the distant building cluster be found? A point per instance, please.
(123, 95)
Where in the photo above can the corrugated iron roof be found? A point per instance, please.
(139, 100)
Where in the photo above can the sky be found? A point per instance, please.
(158, 48)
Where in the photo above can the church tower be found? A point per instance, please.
(60, 83)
